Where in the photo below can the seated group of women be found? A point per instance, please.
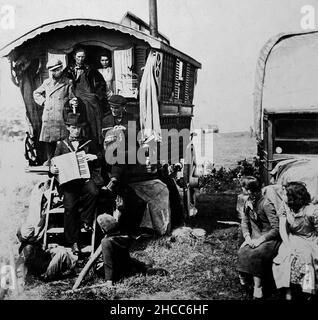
(280, 238)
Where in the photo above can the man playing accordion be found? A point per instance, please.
(78, 192)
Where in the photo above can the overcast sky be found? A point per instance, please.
(224, 35)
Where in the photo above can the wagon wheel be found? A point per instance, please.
(190, 181)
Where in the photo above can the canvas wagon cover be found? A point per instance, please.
(286, 76)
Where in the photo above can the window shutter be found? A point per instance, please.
(177, 81)
(187, 84)
(140, 59)
(168, 81)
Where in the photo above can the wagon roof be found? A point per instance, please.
(152, 41)
(286, 77)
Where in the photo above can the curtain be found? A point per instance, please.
(125, 79)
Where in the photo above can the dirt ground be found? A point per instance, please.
(198, 268)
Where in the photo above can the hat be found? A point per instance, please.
(53, 64)
(117, 100)
(107, 222)
(73, 119)
(25, 232)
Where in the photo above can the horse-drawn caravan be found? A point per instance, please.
(129, 45)
(286, 109)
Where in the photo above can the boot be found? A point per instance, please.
(258, 293)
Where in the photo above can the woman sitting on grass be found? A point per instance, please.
(296, 264)
(261, 233)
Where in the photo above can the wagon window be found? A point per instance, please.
(296, 134)
(126, 82)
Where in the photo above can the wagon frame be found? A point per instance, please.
(176, 75)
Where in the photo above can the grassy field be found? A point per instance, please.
(232, 147)
(198, 269)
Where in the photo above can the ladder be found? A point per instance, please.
(51, 211)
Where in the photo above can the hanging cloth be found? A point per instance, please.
(148, 102)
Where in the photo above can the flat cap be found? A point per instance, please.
(107, 222)
(117, 100)
(54, 63)
(25, 233)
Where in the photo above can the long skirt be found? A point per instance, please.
(257, 261)
(297, 263)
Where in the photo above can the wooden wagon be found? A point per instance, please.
(128, 44)
(286, 107)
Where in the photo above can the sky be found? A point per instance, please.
(226, 36)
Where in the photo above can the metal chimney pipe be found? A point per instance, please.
(153, 18)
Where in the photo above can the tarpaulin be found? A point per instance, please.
(286, 76)
(304, 170)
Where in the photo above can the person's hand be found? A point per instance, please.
(54, 169)
(255, 243)
(144, 145)
(74, 102)
(247, 242)
(90, 157)
(52, 248)
(119, 127)
(110, 138)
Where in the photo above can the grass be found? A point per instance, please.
(197, 269)
(232, 147)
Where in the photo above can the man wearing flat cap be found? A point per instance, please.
(54, 93)
(115, 129)
(80, 193)
(117, 261)
(137, 180)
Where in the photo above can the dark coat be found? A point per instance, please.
(94, 79)
(260, 220)
(66, 146)
(130, 172)
(110, 121)
(90, 89)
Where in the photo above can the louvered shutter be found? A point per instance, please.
(176, 81)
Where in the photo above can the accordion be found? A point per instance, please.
(71, 166)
